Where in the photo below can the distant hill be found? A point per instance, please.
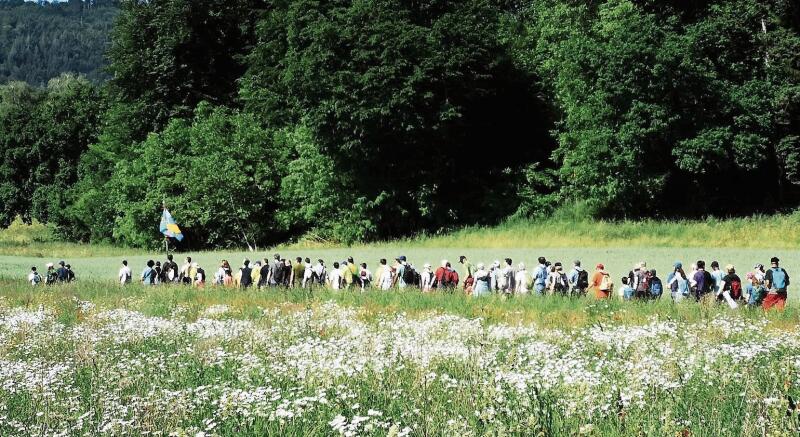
(41, 41)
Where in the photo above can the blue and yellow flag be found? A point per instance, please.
(168, 226)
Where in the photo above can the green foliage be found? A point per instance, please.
(38, 43)
(42, 136)
(220, 175)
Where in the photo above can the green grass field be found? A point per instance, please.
(94, 358)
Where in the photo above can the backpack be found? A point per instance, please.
(583, 280)
(656, 287)
(736, 289)
(560, 282)
(708, 283)
(36, 278)
(779, 279)
(642, 284)
(408, 275)
(509, 279)
(606, 284)
(452, 278)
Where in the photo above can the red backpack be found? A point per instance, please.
(736, 289)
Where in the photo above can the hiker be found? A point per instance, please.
(385, 276)
(540, 276)
(495, 275)
(287, 273)
(157, 268)
(640, 281)
(50, 276)
(755, 290)
(169, 270)
(602, 282)
(452, 277)
(482, 281)
(124, 273)
(508, 277)
(246, 279)
(558, 283)
(627, 290)
(298, 269)
(776, 282)
(522, 279)
(219, 276)
(186, 274)
(692, 282)
(758, 274)
(199, 276)
(469, 270)
(335, 277)
(320, 273)
(678, 283)
(275, 277)
(255, 274)
(33, 277)
(364, 277)
(399, 272)
(703, 280)
(61, 272)
(730, 286)
(655, 287)
(716, 276)
(308, 273)
(148, 273)
(354, 271)
(441, 276)
(426, 278)
(263, 274)
(578, 279)
(70, 275)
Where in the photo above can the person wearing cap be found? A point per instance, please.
(578, 279)
(469, 269)
(62, 275)
(33, 277)
(426, 278)
(399, 272)
(776, 282)
(601, 282)
(678, 283)
(50, 276)
(731, 284)
(522, 279)
(125, 274)
(540, 275)
(482, 281)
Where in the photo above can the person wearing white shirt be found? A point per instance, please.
(125, 273)
(308, 273)
(385, 277)
(335, 277)
(33, 276)
(426, 278)
(522, 279)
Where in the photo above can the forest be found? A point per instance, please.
(361, 120)
(39, 42)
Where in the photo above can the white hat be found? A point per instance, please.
(444, 263)
(522, 266)
(496, 263)
(48, 265)
(481, 266)
(427, 265)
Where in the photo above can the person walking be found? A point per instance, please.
(703, 280)
(578, 279)
(186, 275)
(335, 277)
(385, 278)
(678, 283)
(716, 277)
(540, 275)
(468, 269)
(426, 278)
(199, 276)
(776, 281)
(482, 283)
(148, 273)
(320, 273)
(364, 277)
(125, 274)
(246, 279)
(602, 283)
(33, 277)
(169, 270)
(522, 279)
(50, 276)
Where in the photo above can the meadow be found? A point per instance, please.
(95, 358)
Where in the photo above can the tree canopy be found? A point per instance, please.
(348, 120)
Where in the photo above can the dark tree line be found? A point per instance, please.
(260, 121)
(38, 43)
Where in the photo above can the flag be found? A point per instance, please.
(168, 226)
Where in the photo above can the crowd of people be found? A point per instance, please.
(762, 286)
(53, 275)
